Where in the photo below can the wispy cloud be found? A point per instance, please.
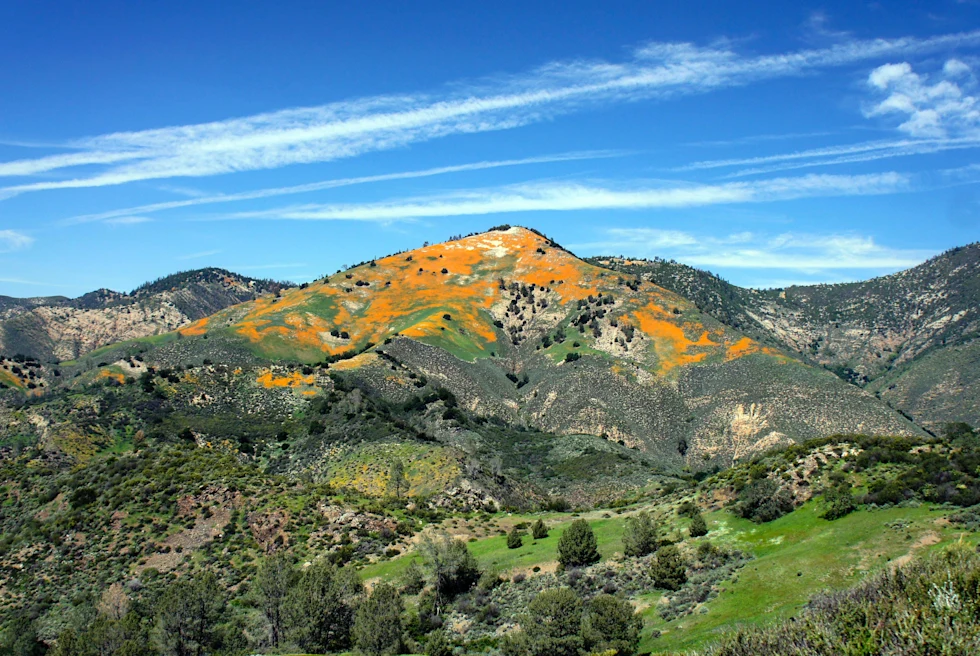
(830, 155)
(340, 182)
(127, 220)
(12, 240)
(556, 197)
(196, 256)
(353, 127)
(799, 252)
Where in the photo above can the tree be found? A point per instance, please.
(437, 644)
(611, 624)
(397, 483)
(839, 501)
(539, 531)
(452, 568)
(320, 607)
(514, 539)
(577, 546)
(669, 571)
(188, 614)
(552, 626)
(378, 625)
(763, 501)
(698, 526)
(271, 586)
(639, 535)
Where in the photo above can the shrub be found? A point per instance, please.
(378, 625)
(539, 531)
(319, 608)
(763, 501)
(669, 571)
(611, 624)
(839, 501)
(639, 535)
(577, 546)
(698, 526)
(514, 539)
(452, 568)
(552, 626)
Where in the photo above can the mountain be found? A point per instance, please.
(57, 328)
(910, 337)
(521, 331)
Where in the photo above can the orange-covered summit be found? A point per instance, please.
(482, 295)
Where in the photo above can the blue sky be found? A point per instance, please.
(774, 143)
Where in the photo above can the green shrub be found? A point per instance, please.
(552, 626)
(611, 624)
(514, 539)
(698, 526)
(763, 501)
(539, 531)
(839, 501)
(378, 624)
(669, 571)
(577, 546)
(639, 535)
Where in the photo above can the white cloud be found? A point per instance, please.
(353, 127)
(831, 155)
(798, 252)
(127, 220)
(339, 182)
(937, 110)
(12, 240)
(565, 196)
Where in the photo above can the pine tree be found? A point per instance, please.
(514, 539)
(577, 546)
(539, 531)
(639, 535)
(698, 526)
(669, 571)
(378, 625)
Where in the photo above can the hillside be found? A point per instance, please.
(58, 328)
(522, 331)
(909, 337)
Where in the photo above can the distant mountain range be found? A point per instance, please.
(910, 338)
(55, 328)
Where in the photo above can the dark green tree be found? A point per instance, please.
(515, 539)
(378, 624)
(539, 531)
(838, 501)
(188, 615)
(451, 567)
(763, 501)
(669, 571)
(611, 624)
(639, 535)
(397, 483)
(577, 546)
(319, 609)
(698, 527)
(552, 626)
(271, 586)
